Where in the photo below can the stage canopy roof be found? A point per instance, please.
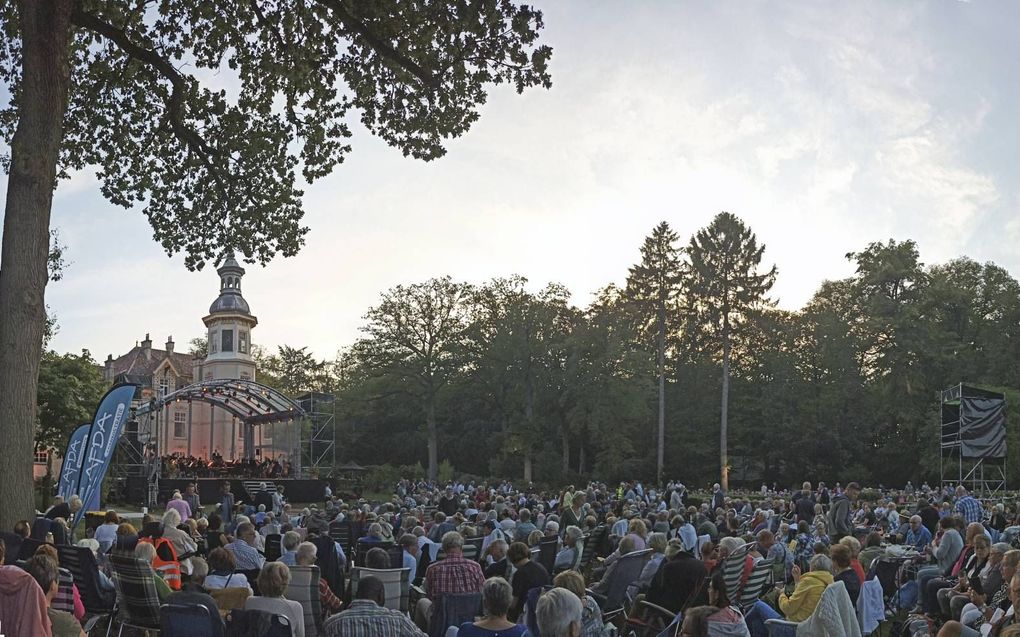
(250, 402)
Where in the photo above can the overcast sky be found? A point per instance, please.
(825, 126)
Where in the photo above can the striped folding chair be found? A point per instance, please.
(304, 589)
(396, 582)
(740, 592)
(138, 602)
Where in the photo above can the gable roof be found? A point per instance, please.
(137, 363)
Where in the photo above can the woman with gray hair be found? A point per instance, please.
(570, 554)
(808, 589)
(658, 543)
(273, 581)
(559, 613)
(183, 545)
(496, 599)
(375, 534)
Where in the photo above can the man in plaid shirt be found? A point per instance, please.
(968, 506)
(452, 575)
(367, 617)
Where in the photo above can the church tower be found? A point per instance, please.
(229, 325)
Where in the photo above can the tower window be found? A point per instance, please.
(242, 341)
(214, 343)
(228, 340)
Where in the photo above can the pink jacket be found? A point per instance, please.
(22, 605)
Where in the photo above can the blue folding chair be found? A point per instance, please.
(192, 620)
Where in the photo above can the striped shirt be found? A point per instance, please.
(364, 618)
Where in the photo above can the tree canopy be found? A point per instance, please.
(211, 117)
(842, 389)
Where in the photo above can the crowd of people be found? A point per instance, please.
(625, 558)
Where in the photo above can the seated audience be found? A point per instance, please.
(559, 613)
(496, 599)
(43, 570)
(273, 581)
(453, 574)
(591, 614)
(305, 556)
(368, 615)
(244, 548)
(147, 553)
(223, 571)
(807, 590)
(290, 542)
(194, 592)
(842, 571)
(528, 574)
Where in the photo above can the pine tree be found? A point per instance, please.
(725, 257)
(653, 286)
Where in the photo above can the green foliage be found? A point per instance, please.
(415, 346)
(293, 371)
(70, 386)
(843, 389)
(204, 161)
(198, 347)
(653, 288)
(446, 472)
(384, 477)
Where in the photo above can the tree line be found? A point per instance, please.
(688, 370)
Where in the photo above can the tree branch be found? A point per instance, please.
(383, 48)
(174, 103)
(264, 23)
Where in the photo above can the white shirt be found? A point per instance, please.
(288, 608)
(234, 580)
(106, 535)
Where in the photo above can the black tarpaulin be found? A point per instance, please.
(982, 427)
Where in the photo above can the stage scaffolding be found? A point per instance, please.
(972, 439)
(249, 405)
(320, 415)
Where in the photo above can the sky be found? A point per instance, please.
(824, 125)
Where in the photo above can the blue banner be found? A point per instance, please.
(72, 462)
(104, 433)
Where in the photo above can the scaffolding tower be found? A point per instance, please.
(320, 414)
(973, 439)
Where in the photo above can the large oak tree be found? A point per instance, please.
(118, 85)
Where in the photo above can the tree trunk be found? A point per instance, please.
(662, 395)
(47, 481)
(42, 100)
(724, 459)
(430, 423)
(529, 418)
(566, 450)
(580, 460)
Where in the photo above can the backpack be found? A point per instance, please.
(905, 597)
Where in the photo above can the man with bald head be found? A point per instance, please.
(918, 536)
